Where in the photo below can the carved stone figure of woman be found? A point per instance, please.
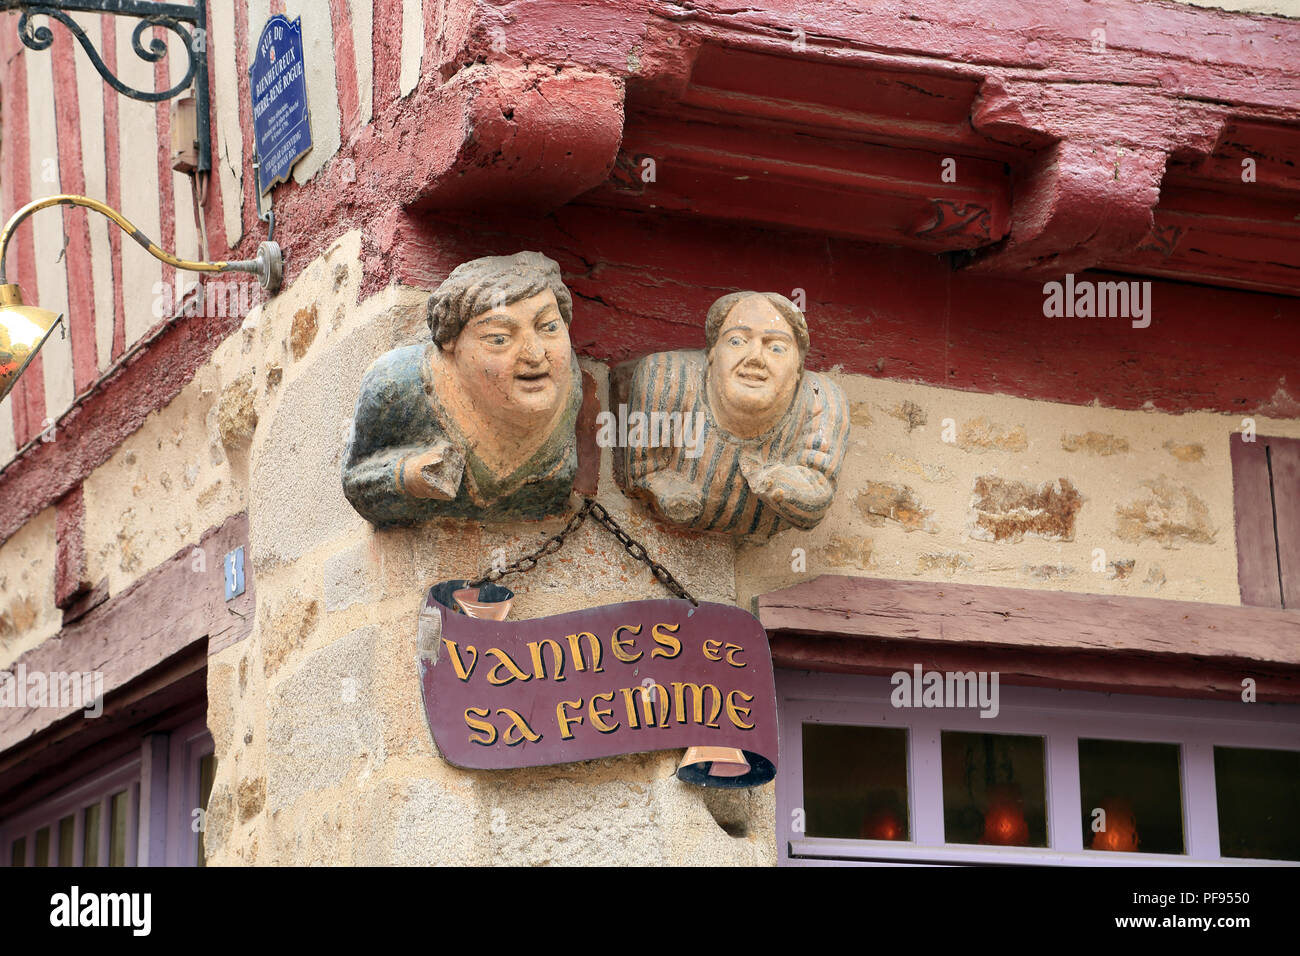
(480, 421)
(773, 434)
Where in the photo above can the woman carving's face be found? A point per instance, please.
(754, 366)
(513, 361)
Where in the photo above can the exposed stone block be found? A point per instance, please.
(303, 330)
(1168, 512)
(1047, 572)
(351, 577)
(323, 723)
(1120, 570)
(979, 435)
(286, 630)
(882, 501)
(922, 469)
(910, 414)
(950, 562)
(1191, 452)
(250, 798)
(848, 551)
(1005, 510)
(1095, 443)
(236, 416)
(414, 822)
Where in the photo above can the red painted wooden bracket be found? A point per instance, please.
(1089, 195)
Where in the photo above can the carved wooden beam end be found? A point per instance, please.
(1090, 191)
(501, 135)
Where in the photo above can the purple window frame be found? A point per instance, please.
(188, 746)
(162, 781)
(1060, 718)
(95, 788)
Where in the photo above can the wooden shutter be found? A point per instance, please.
(1266, 506)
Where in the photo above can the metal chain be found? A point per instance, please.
(590, 508)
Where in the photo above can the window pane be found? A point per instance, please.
(43, 846)
(90, 838)
(994, 789)
(1132, 790)
(117, 834)
(855, 782)
(1259, 802)
(18, 852)
(67, 837)
(207, 772)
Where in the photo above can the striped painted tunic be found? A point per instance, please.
(810, 440)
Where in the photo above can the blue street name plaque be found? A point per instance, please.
(277, 82)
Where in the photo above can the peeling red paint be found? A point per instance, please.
(345, 69)
(71, 579)
(113, 181)
(28, 395)
(76, 222)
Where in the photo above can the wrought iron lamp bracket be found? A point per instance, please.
(187, 21)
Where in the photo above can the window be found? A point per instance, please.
(89, 824)
(1258, 794)
(1266, 503)
(190, 751)
(1065, 777)
(139, 809)
(855, 784)
(993, 789)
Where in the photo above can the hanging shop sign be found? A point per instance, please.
(619, 679)
(277, 82)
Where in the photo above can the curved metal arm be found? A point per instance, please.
(268, 266)
(40, 37)
(187, 21)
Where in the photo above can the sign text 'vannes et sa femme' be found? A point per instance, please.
(619, 679)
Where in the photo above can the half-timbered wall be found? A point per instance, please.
(992, 445)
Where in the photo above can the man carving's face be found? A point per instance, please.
(514, 360)
(754, 366)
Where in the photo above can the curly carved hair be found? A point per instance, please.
(493, 282)
(720, 309)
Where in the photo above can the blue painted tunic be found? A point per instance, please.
(399, 414)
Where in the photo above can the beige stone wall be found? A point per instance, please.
(27, 612)
(323, 752)
(988, 489)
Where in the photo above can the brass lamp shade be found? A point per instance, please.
(23, 330)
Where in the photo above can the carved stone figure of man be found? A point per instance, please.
(774, 435)
(479, 422)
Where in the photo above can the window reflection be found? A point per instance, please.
(994, 789)
(1131, 796)
(1258, 793)
(90, 838)
(43, 846)
(117, 831)
(67, 840)
(855, 782)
